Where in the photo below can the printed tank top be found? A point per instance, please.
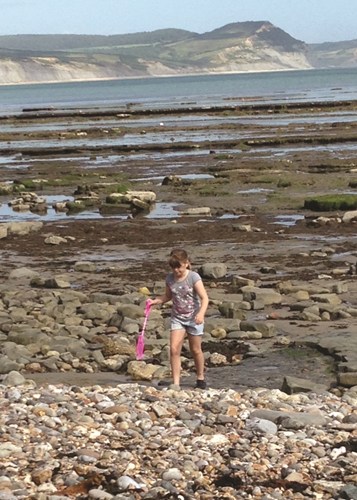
(185, 301)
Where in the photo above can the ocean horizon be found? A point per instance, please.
(203, 89)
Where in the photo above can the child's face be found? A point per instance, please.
(179, 272)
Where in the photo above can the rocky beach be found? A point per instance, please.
(92, 202)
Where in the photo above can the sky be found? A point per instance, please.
(312, 21)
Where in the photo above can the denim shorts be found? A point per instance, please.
(190, 326)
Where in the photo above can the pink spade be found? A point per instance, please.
(140, 343)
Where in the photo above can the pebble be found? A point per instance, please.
(134, 441)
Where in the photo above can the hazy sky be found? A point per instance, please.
(307, 20)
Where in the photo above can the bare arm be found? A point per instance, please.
(201, 292)
(166, 297)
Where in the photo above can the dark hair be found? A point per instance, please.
(179, 253)
(178, 256)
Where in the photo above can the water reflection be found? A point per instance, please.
(158, 211)
(288, 220)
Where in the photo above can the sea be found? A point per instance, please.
(178, 91)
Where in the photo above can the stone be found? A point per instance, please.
(217, 359)
(240, 281)
(288, 418)
(173, 474)
(293, 385)
(232, 310)
(55, 240)
(14, 378)
(3, 231)
(348, 492)
(126, 482)
(347, 379)
(197, 211)
(219, 333)
(23, 228)
(85, 266)
(349, 216)
(23, 273)
(265, 328)
(261, 426)
(145, 196)
(140, 370)
(329, 298)
(213, 270)
(267, 296)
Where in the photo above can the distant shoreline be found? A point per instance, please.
(180, 75)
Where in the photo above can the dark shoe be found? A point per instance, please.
(164, 383)
(201, 384)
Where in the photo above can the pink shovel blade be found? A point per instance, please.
(140, 347)
(140, 344)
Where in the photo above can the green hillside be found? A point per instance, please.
(334, 55)
(34, 43)
(241, 46)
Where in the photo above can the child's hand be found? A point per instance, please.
(153, 302)
(199, 318)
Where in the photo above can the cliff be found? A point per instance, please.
(236, 47)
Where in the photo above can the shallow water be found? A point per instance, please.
(155, 165)
(135, 140)
(201, 120)
(288, 220)
(344, 150)
(7, 214)
(160, 210)
(255, 191)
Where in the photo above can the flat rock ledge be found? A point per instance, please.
(46, 325)
(139, 442)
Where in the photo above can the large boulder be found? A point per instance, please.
(213, 270)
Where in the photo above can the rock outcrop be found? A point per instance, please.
(237, 47)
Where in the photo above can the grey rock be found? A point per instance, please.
(97, 494)
(348, 492)
(173, 474)
(23, 228)
(210, 270)
(14, 378)
(304, 419)
(21, 334)
(262, 426)
(232, 310)
(197, 211)
(3, 231)
(347, 379)
(293, 385)
(266, 295)
(126, 482)
(15, 352)
(7, 365)
(85, 266)
(23, 273)
(101, 312)
(55, 240)
(265, 328)
(131, 311)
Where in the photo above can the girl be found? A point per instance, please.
(189, 304)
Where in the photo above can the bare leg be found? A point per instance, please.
(195, 342)
(177, 338)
